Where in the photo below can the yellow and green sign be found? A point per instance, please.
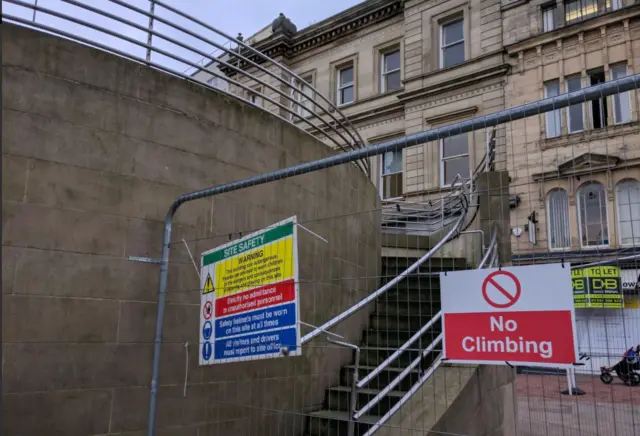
(597, 287)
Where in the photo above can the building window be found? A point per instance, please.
(390, 71)
(614, 4)
(558, 219)
(592, 215)
(599, 106)
(575, 113)
(303, 105)
(628, 200)
(452, 43)
(553, 118)
(575, 10)
(454, 152)
(346, 85)
(622, 101)
(549, 17)
(391, 183)
(254, 96)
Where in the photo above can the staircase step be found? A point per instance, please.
(338, 399)
(397, 338)
(435, 264)
(396, 307)
(408, 323)
(374, 356)
(381, 380)
(413, 281)
(334, 423)
(417, 295)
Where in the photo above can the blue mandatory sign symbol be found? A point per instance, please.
(207, 350)
(207, 329)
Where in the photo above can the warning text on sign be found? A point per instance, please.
(255, 345)
(268, 264)
(271, 318)
(513, 336)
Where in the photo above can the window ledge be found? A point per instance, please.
(590, 135)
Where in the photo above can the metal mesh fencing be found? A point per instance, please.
(535, 185)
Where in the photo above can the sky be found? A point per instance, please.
(229, 16)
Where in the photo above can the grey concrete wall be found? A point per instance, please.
(95, 149)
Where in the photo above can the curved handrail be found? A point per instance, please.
(326, 124)
(431, 215)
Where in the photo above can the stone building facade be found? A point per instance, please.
(397, 67)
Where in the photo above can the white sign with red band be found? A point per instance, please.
(521, 315)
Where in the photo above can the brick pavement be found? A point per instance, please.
(604, 410)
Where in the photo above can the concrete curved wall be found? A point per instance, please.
(95, 149)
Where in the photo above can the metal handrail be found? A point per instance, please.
(492, 249)
(375, 400)
(361, 304)
(422, 380)
(399, 351)
(299, 115)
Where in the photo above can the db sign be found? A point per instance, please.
(520, 315)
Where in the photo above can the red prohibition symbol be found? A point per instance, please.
(512, 295)
(207, 310)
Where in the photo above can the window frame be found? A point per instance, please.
(567, 223)
(556, 112)
(383, 73)
(551, 8)
(621, 95)
(339, 87)
(255, 96)
(566, 81)
(298, 87)
(619, 215)
(458, 156)
(582, 16)
(606, 217)
(393, 173)
(443, 24)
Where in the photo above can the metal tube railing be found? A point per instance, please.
(200, 52)
(422, 380)
(491, 249)
(360, 305)
(331, 131)
(398, 352)
(375, 400)
(279, 65)
(169, 54)
(219, 61)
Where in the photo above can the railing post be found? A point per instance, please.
(152, 9)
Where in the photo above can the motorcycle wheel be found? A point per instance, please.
(634, 379)
(606, 378)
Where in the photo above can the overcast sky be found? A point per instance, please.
(230, 16)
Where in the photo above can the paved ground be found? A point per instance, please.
(604, 410)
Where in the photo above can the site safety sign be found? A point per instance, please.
(519, 315)
(249, 297)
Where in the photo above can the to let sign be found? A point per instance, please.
(520, 315)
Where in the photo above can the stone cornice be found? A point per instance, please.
(456, 82)
(325, 32)
(572, 29)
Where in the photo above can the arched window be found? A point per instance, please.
(558, 219)
(628, 201)
(592, 215)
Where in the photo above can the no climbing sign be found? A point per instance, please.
(520, 315)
